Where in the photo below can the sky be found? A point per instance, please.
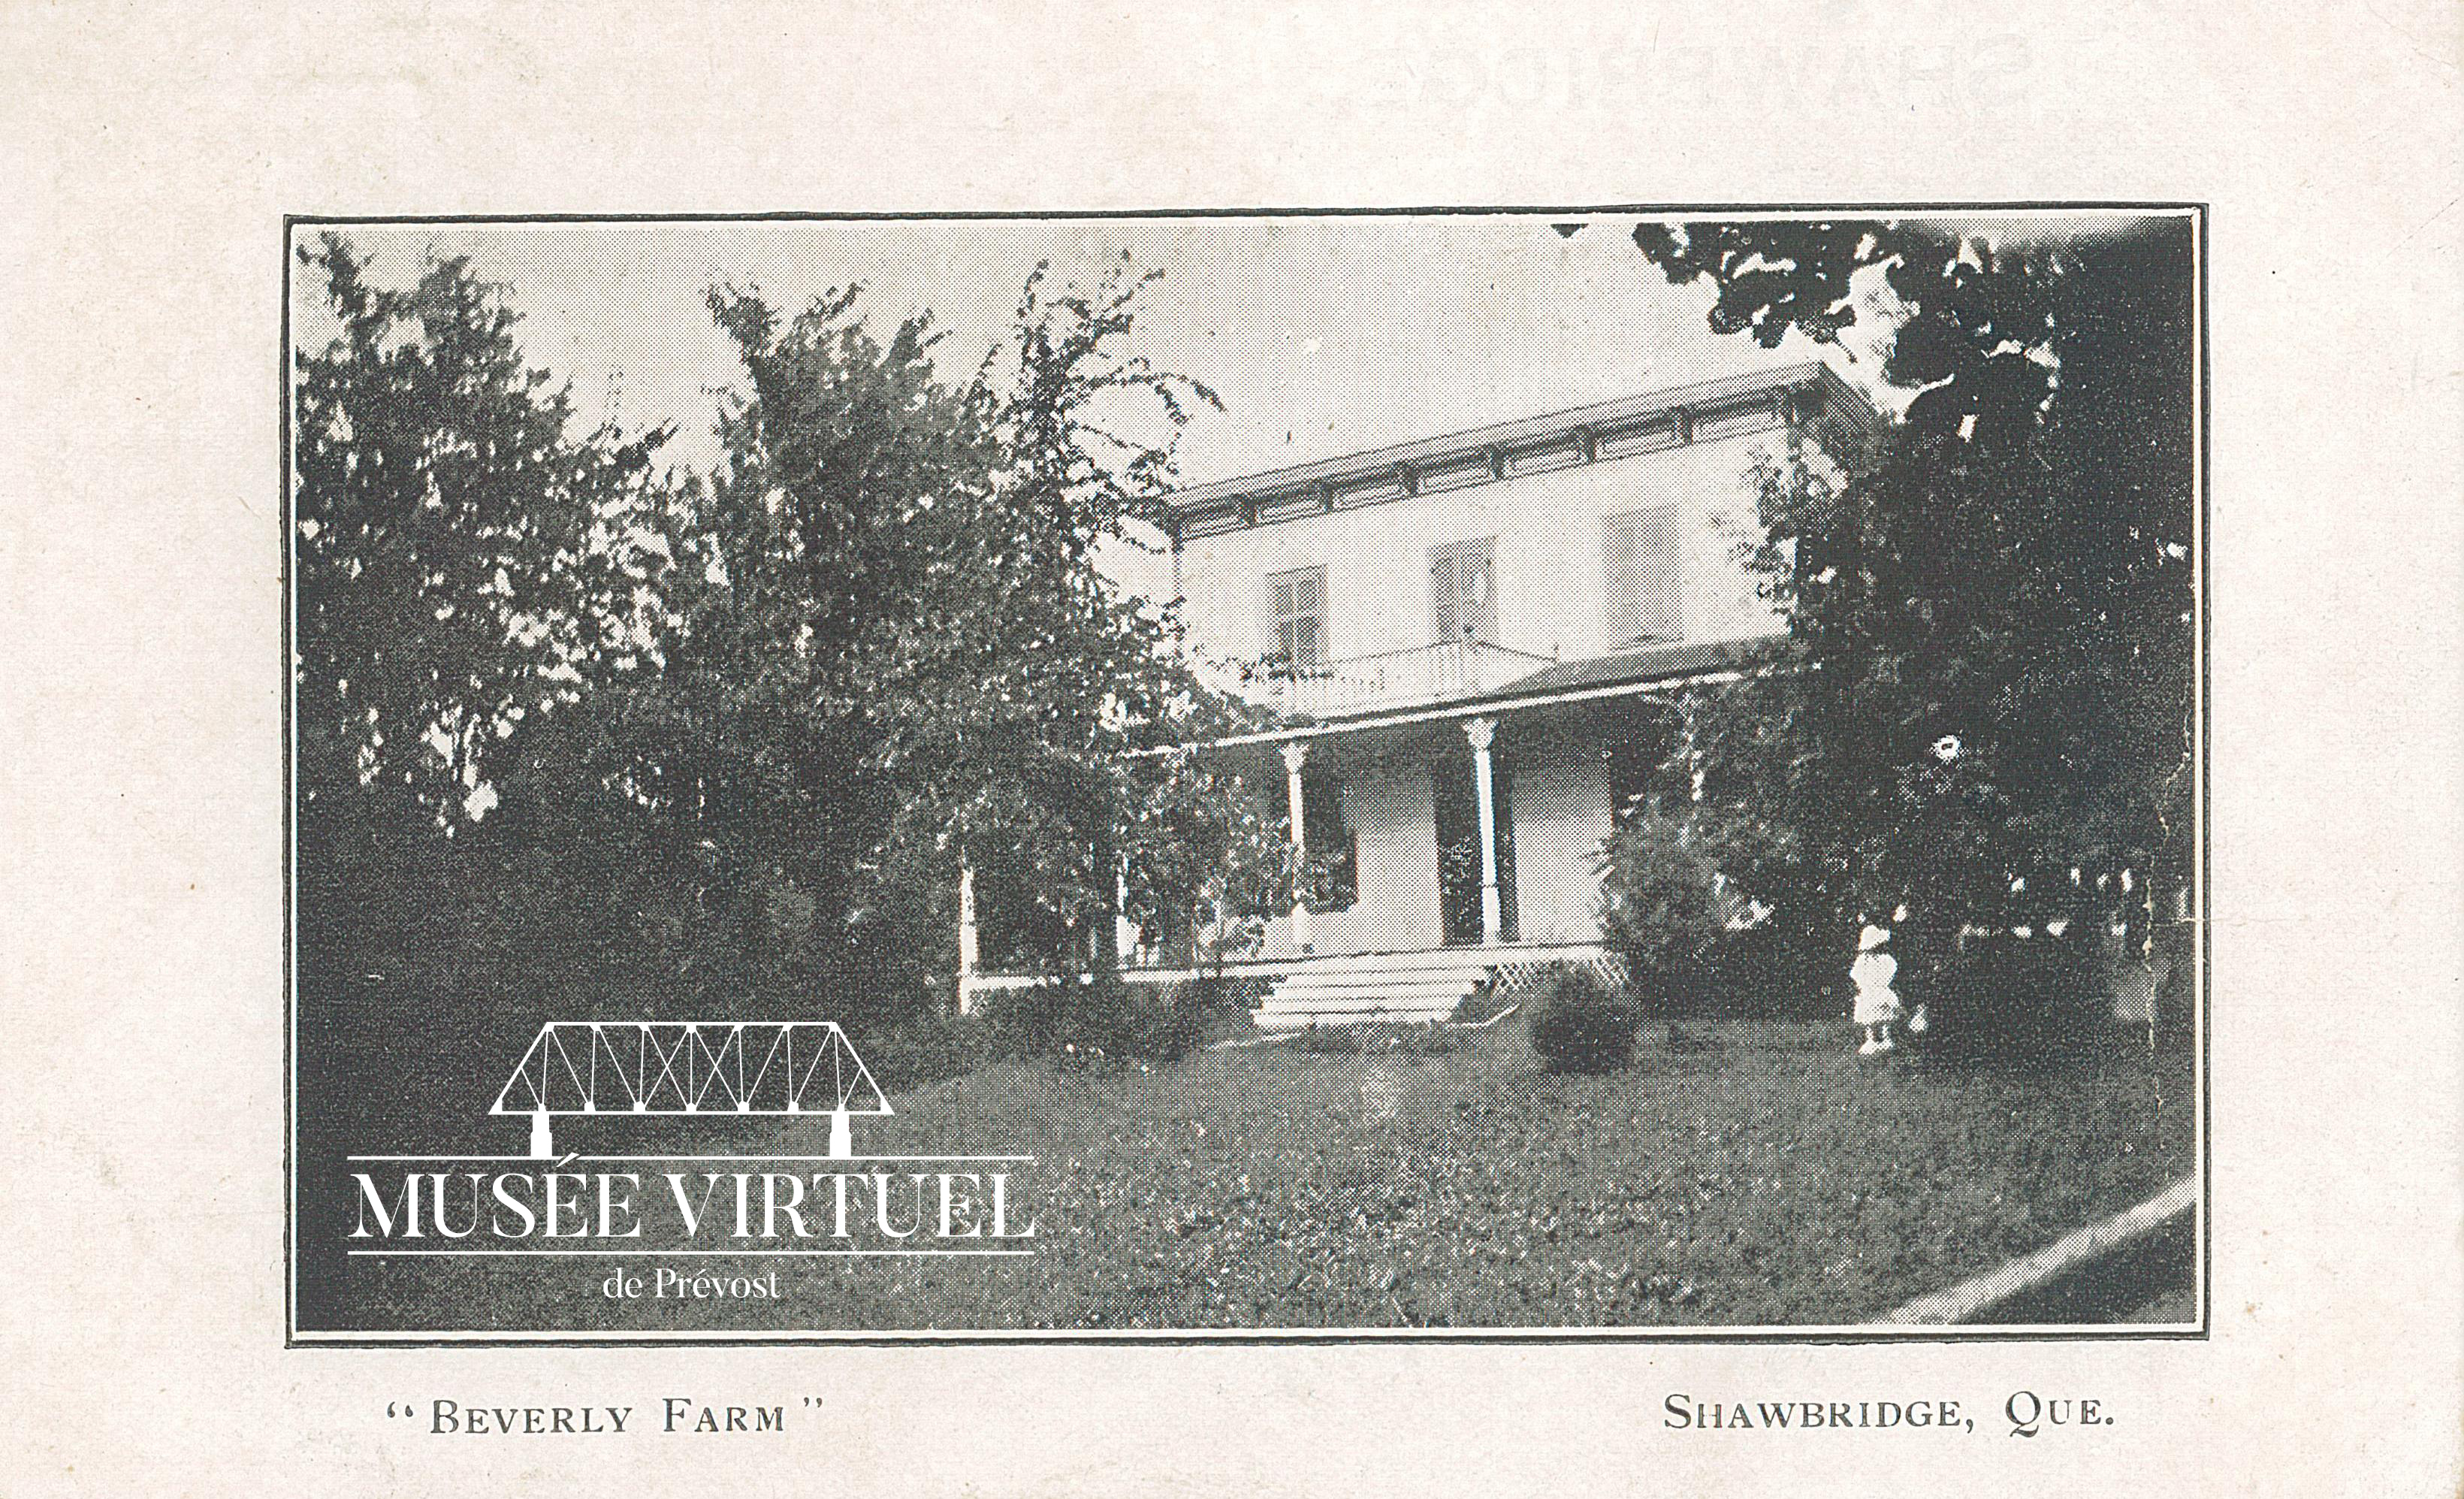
(1321, 336)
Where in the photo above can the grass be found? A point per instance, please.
(1763, 1175)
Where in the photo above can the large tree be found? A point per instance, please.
(571, 727)
(474, 569)
(898, 655)
(466, 562)
(1987, 682)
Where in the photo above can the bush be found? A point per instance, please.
(1779, 969)
(1105, 1019)
(1584, 1024)
(1158, 1025)
(1418, 1039)
(924, 1049)
(1426, 1039)
(1662, 911)
(1667, 912)
(1327, 1040)
(1214, 996)
(2005, 999)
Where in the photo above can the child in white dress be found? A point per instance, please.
(1877, 1003)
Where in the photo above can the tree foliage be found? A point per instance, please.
(568, 725)
(899, 655)
(1987, 680)
(465, 564)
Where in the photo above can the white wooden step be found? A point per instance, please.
(1465, 958)
(1355, 1014)
(1373, 989)
(1288, 1020)
(1400, 982)
(1363, 999)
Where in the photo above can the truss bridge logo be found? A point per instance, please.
(627, 1087)
(786, 1067)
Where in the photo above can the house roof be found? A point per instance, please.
(1506, 440)
(1630, 666)
(1592, 678)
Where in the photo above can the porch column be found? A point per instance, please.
(1482, 732)
(967, 951)
(1295, 755)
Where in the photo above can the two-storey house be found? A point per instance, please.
(1468, 643)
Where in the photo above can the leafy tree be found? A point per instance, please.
(464, 565)
(1987, 680)
(567, 726)
(470, 572)
(898, 653)
(1670, 907)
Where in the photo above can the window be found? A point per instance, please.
(1296, 616)
(1463, 591)
(1643, 571)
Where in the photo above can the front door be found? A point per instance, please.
(1454, 794)
(1463, 591)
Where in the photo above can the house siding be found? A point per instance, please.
(1550, 556)
(1388, 806)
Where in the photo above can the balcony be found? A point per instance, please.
(1389, 678)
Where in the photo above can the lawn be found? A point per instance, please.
(1765, 1175)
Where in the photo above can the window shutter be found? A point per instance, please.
(1643, 571)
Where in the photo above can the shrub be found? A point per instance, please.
(1778, 969)
(1160, 1024)
(1491, 998)
(2003, 999)
(1213, 995)
(1418, 1039)
(1667, 913)
(1584, 1024)
(1430, 1039)
(1105, 1019)
(925, 1048)
(1327, 1040)
(1663, 912)
(1021, 1023)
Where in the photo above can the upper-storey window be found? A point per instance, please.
(1296, 616)
(1643, 572)
(1463, 591)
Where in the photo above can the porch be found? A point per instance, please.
(1415, 986)
(1444, 842)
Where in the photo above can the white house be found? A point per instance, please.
(1468, 641)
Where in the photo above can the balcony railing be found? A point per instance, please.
(1389, 678)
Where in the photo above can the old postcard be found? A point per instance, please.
(1601, 752)
(1040, 776)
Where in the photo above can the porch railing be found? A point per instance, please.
(1391, 678)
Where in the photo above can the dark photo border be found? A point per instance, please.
(291, 225)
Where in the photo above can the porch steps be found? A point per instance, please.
(1374, 988)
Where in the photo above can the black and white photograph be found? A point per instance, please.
(1558, 774)
(1022, 751)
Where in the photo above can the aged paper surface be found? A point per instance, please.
(199, 1131)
